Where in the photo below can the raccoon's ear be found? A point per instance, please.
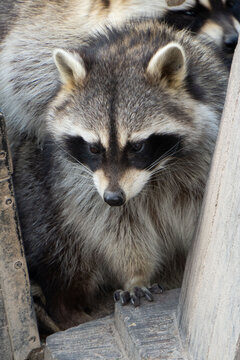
(168, 65)
(70, 66)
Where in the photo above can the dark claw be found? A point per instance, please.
(148, 295)
(116, 295)
(138, 292)
(124, 297)
(156, 289)
(135, 300)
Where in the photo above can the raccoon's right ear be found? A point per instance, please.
(70, 66)
(168, 65)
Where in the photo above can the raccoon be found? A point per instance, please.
(33, 28)
(29, 32)
(235, 6)
(214, 18)
(109, 200)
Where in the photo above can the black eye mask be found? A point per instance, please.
(81, 151)
(139, 155)
(152, 150)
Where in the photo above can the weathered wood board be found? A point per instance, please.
(148, 332)
(5, 345)
(209, 309)
(19, 334)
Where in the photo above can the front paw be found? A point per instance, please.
(134, 295)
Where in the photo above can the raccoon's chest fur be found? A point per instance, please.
(145, 231)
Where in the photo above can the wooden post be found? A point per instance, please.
(209, 308)
(18, 329)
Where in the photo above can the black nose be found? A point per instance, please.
(114, 198)
(231, 41)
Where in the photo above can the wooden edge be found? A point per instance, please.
(209, 312)
(6, 168)
(14, 279)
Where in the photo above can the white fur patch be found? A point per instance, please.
(133, 181)
(122, 137)
(61, 127)
(236, 24)
(206, 3)
(100, 181)
(167, 127)
(187, 4)
(104, 137)
(213, 30)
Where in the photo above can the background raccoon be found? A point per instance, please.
(214, 18)
(31, 29)
(111, 197)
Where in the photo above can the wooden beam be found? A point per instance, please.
(209, 309)
(20, 329)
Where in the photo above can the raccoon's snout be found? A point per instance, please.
(114, 198)
(230, 42)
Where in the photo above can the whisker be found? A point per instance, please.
(163, 156)
(73, 157)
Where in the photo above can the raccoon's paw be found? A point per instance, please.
(136, 293)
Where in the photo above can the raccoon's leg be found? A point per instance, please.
(67, 307)
(135, 263)
(136, 293)
(68, 296)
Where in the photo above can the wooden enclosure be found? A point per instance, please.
(208, 312)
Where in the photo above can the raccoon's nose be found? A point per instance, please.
(231, 41)
(114, 198)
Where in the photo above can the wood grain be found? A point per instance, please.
(209, 310)
(19, 327)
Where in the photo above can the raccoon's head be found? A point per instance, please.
(215, 18)
(124, 118)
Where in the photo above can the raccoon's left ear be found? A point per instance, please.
(70, 66)
(168, 65)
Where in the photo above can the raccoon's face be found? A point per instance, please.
(215, 18)
(115, 120)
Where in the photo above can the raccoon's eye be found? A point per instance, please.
(189, 13)
(138, 147)
(95, 149)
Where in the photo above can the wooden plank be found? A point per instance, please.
(209, 309)
(147, 332)
(3, 319)
(237, 357)
(93, 340)
(5, 345)
(14, 279)
(150, 331)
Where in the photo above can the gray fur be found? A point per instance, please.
(76, 244)
(31, 29)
